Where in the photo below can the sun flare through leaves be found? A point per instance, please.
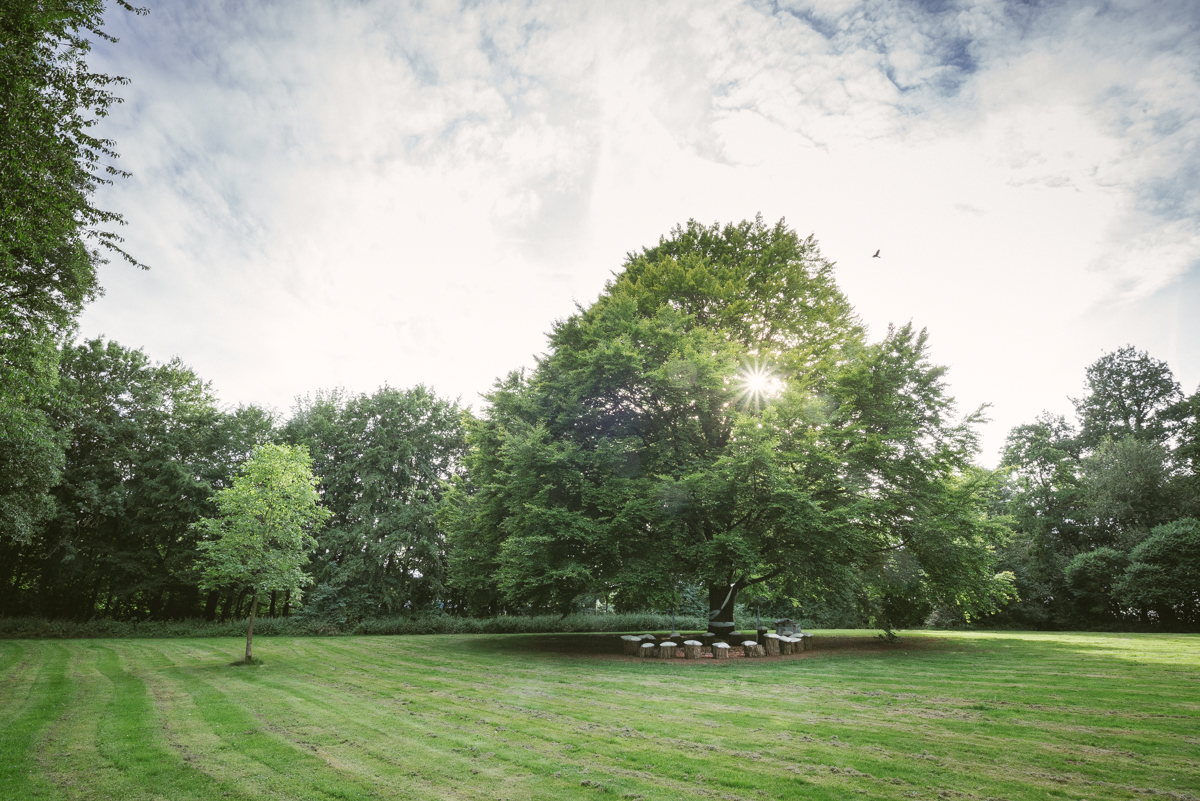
(758, 385)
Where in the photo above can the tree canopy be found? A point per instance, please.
(51, 234)
(1084, 498)
(146, 448)
(382, 461)
(642, 453)
(264, 532)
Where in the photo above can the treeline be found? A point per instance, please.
(146, 446)
(1102, 509)
(715, 434)
(1105, 508)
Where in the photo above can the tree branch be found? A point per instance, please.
(761, 579)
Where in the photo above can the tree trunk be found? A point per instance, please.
(91, 606)
(250, 628)
(237, 608)
(271, 611)
(721, 598)
(287, 602)
(210, 606)
(156, 604)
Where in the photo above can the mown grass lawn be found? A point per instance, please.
(962, 715)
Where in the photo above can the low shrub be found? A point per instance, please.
(37, 628)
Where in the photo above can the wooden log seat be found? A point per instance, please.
(752, 649)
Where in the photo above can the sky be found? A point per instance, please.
(352, 194)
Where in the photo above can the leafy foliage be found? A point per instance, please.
(1085, 501)
(1162, 573)
(50, 166)
(630, 464)
(382, 461)
(1128, 393)
(146, 448)
(263, 534)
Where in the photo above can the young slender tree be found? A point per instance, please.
(264, 534)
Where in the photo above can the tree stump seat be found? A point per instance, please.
(720, 650)
(691, 649)
(752, 648)
(666, 650)
(648, 650)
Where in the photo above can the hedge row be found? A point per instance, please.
(36, 628)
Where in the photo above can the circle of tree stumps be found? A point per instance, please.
(650, 646)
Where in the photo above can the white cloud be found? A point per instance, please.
(335, 194)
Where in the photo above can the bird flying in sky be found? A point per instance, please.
(876, 256)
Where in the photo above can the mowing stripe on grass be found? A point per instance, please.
(48, 696)
(129, 738)
(303, 775)
(1015, 717)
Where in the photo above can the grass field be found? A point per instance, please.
(962, 715)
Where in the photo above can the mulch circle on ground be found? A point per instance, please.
(608, 646)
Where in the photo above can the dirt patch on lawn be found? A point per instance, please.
(608, 647)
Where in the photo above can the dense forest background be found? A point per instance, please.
(1102, 509)
(613, 477)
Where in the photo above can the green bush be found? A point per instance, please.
(37, 628)
(1091, 576)
(1163, 572)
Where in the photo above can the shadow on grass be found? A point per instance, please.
(255, 662)
(608, 646)
(1133, 647)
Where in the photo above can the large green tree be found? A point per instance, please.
(51, 234)
(1083, 500)
(1162, 574)
(1045, 500)
(1128, 392)
(648, 448)
(146, 447)
(383, 461)
(263, 534)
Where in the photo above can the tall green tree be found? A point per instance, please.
(1185, 457)
(383, 461)
(1045, 498)
(1128, 392)
(1127, 490)
(646, 447)
(263, 535)
(1083, 501)
(51, 234)
(1162, 574)
(146, 447)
